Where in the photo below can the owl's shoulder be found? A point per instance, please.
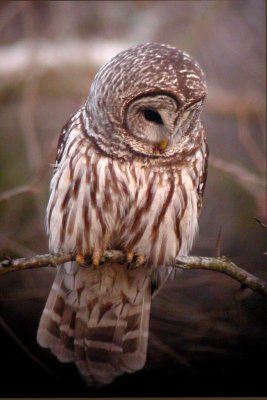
(72, 123)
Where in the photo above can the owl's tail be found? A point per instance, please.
(98, 319)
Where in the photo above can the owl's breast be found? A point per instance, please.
(161, 218)
(98, 202)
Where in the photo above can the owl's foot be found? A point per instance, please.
(97, 255)
(135, 261)
(140, 261)
(129, 256)
(86, 261)
(82, 260)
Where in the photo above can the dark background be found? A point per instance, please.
(208, 337)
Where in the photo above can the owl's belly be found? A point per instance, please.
(150, 212)
(162, 219)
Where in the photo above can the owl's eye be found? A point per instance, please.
(152, 116)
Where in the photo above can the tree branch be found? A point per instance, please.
(219, 264)
(226, 266)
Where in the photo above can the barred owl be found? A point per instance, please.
(130, 174)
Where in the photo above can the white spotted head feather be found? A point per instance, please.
(145, 70)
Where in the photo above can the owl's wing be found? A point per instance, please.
(203, 173)
(71, 124)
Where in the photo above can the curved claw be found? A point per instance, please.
(97, 255)
(85, 261)
(129, 256)
(135, 261)
(81, 260)
(140, 261)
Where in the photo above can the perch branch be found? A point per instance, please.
(30, 188)
(225, 266)
(219, 264)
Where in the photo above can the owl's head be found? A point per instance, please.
(146, 101)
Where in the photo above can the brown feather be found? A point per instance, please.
(93, 330)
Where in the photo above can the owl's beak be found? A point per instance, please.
(164, 144)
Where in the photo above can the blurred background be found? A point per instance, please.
(208, 337)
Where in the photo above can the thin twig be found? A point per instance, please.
(10, 332)
(14, 246)
(32, 186)
(253, 183)
(260, 222)
(10, 11)
(240, 173)
(167, 349)
(249, 142)
(218, 243)
(220, 264)
(6, 195)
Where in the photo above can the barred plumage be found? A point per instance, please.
(130, 174)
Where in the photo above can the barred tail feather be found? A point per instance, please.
(99, 319)
(58, 319)
(135, 339)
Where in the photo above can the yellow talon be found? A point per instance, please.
(97, 255)
(85, 261)
(130, 256)
(136, 262)
(140, 261)
(80, 259)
